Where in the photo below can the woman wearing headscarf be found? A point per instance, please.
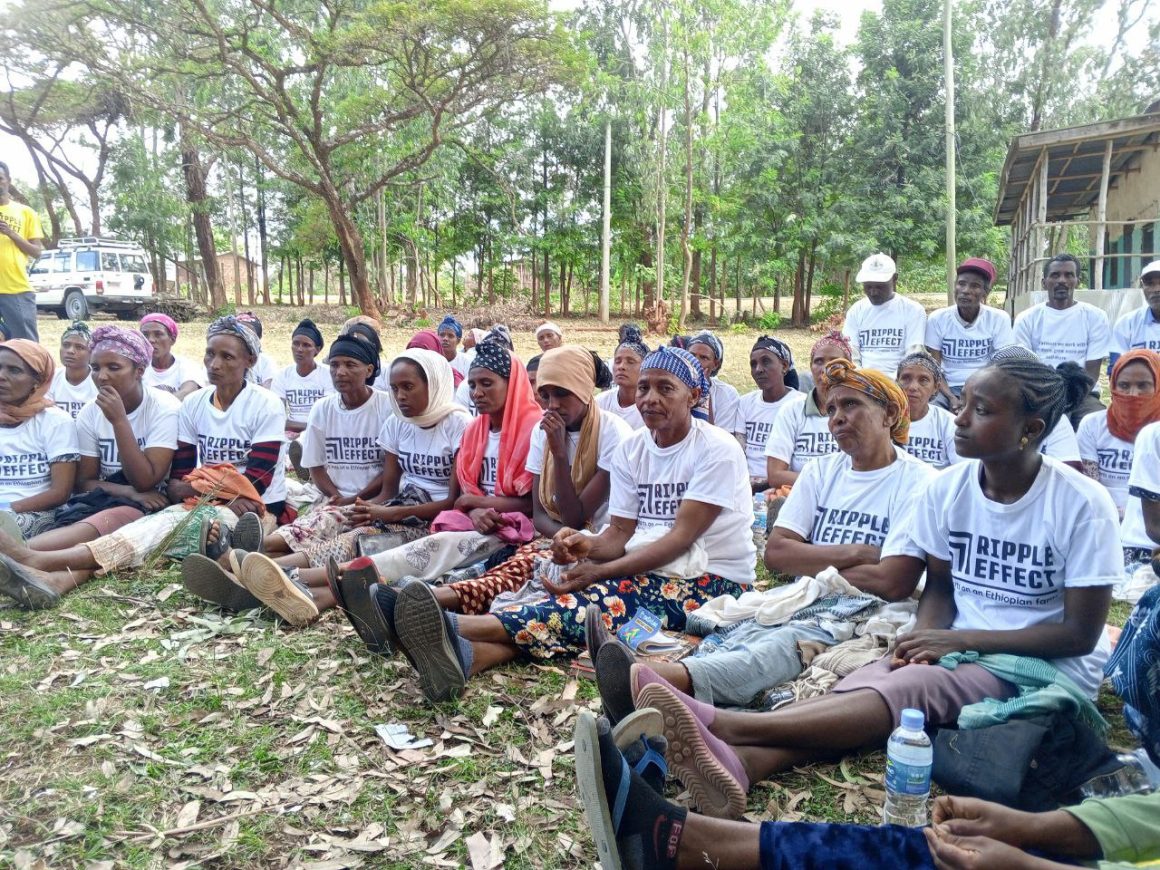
(679, 535)
(491, 510)
(851, 510)
(630, 353)
(770, 361)
(450, 331)
(38, 441)
(304, 383)
(72, 385)
(366, 329)
(428, 339)
(1107, 444)
(498, 334)
(127, 438)
(724, 400)
(167, 371)
(801, 432)
(265, 369)
(932, 428)
(227, 463)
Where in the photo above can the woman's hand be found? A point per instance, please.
(244, 506)
(467, 503)
(342, 500)
(569, 545)
(971, 817)
(110, 403)
(363, 513)
(926, 646)
(487, 521)
(555, 433)
(576, 579)
(951, 852)
(151, 501)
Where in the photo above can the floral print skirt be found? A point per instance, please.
(555, 626)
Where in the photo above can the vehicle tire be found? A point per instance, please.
(75, 306)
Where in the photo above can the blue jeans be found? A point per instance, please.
(750, 659)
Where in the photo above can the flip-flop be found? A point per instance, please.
(206, 579)
(215, 549)
(612, 667)
(646, 727)
(21, 584)
(247, 533)
(273, 587)
(602, 812)
(424, 633)
(595, 634)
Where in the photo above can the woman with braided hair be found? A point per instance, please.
(630, 353)
(72, 385)
(1021, 554)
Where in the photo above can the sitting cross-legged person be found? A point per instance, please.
(1021, 556)
(127, 438)
(850, 510)
(229, 439)
(491, 510)
(72, 385)
(771, 367)
(570, 459)
(679, 536)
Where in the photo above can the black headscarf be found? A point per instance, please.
(357, 348)
(308, 329)
(493, 356)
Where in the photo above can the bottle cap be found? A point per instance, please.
(912, 719)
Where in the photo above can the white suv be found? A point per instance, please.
(92, 274)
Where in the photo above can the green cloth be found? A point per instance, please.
(1042, 689)
(1127, 828)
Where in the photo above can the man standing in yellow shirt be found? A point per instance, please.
(20, 241)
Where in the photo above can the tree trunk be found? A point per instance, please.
(800, 315)
(263, 236)
(251, 279)
(350, 243)
(341, 283)
(686, 223)
(199, 206)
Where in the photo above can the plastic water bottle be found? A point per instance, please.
(909, 756)
(759, 523)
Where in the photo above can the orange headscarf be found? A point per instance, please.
(520, 416)
(879, 387)
(1127, 415)
(40, 361)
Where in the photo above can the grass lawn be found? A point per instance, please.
(141, 729)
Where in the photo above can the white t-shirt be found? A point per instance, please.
(301, 393)
(346, 440)
(880, 335)
(461, 363)
(1145, 477)
(181, 372)
(154, 423)
(613, 430)
(1010, 563)
(70, 397)
(831, 504)
(426, 456)
(932, 439)
(463, 398)
(1061, 443)
(800, 433)
(708, 465)
(1076, 334)
(1136, 329)
(265, 369)
(256, 416)
(609, 401)
(489, 468)
(1114, 457)
(27, 451)
(383, 381)
(967, 347)
(724, 401)
(755, 418)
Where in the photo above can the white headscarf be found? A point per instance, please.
(440, 388)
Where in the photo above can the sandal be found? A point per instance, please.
(248, 534)
(215, 549)
(206, 579)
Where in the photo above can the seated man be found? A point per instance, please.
(1140, 329)
(850, 510)
(883, 326)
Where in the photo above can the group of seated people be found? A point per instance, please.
(470, 510)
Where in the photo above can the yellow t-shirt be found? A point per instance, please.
(13, 261)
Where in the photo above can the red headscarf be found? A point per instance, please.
(520, 416)
(427, 339)
(1127, 415)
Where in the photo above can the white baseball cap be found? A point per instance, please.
(877, 268)
(1151, 269)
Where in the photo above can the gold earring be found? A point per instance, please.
(1023, 442)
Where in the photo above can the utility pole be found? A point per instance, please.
(949, 74)
(606, 230)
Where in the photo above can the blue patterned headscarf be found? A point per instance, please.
(231, 325)
(451, 323)
(712, 342)
(685, 367)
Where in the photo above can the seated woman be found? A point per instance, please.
(851, 510)
(1060, 443)
(679, 483)
(1021, 555)
(800, 433)
(168, 372)
(493, 484)
(265, 368)
(630, 353)
(1106, 438)
(229, 438)
(450, 331)
(1140, 531)
(127, 438)
(72, 385)
(770, 362)
(304, 383)
(570, 458)
(37, 440)
(723, 398)
(427, 339)
(501, 335)
(932, 429)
